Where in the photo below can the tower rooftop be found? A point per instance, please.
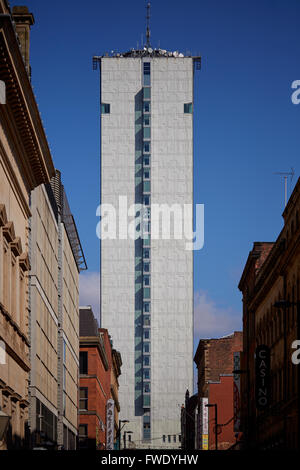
(148, 52)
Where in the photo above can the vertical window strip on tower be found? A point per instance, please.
(146, 249)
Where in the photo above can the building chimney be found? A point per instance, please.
(23, 20)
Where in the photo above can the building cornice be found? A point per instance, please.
(37, 166)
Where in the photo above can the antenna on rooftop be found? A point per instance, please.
(285, 176)
(148, 24)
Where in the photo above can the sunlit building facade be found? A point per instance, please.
(147, 283)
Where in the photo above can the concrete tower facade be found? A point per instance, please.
(147, 283)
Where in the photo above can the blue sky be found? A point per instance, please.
(246, 127)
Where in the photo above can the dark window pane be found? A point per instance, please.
(83, 360)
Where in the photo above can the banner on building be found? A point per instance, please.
(262, 377)
(203, 424)
(110, 424)
(237, 391)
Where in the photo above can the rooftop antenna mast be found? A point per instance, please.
(148, 24)
(285, 176)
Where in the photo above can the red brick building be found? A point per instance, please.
(214, 361)
(100, 366)
(270, 285)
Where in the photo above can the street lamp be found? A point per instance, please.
(210, 405)
(124, 437)
(4, 421)
(124, 421)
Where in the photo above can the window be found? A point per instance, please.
(146, 253)
(146, 106)
(146, 239)
(146, 187)
(146, 430)
(147, 267)
(146, 160)
(83, 398)
(147, 388)
(147, 120)
(105, 108)
(146, 293)
(146, 360)
(188, 108)
(147, 374)
(147, 333)
(174, 438)
(64, 377)
(147, 132)
(64, 351)
(147, 307)
(146, 147)
(147, 73)
(146, 280)
(164, 438)
(179, 437)
(146, 320)
(83, 360)
(147, 93)
(83, 436)
(146, 174)
(146, 401)
(169, 438)
(64, 403)
(146, 347)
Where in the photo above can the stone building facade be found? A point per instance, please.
(25, 163)
(271, 311)
(56, 260)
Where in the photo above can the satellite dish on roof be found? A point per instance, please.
(150, 50)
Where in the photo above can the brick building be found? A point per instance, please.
(100, 367)
(215, 364)
(271, 296)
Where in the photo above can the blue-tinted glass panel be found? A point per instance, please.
(147, 132)
(146, 160)
(146, 239)
(146, 187)
(146, 200)
(146, 333)
(146, 400)
(147, 267)
(105, 108)
(147, 93)
(147, 107)
(146, 292)
(146, 307)
(146, 360)
(146, 147)
(188, 108)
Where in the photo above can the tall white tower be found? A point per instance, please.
(147, 284)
